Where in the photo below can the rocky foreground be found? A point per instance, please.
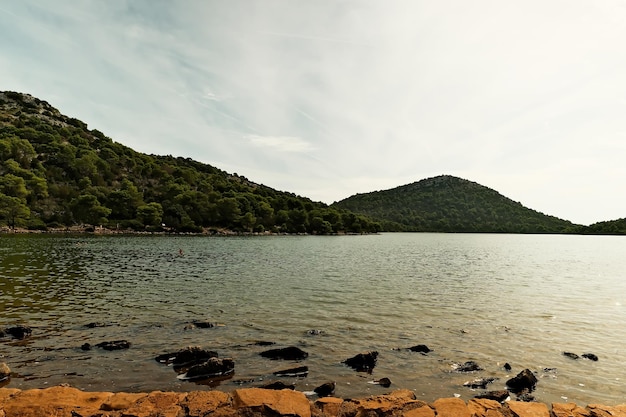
(64, 401)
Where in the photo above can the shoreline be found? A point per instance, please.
(63, 400)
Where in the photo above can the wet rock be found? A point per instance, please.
(325, 390)
(203, 324)
(263, 343)
(499, 395)
(95, 324)
(479, 383)
(384, 382)
(590, 356)
(571, 355)
(114, 345)
(363, 362)
(5, 372)
(191, 355)
(19, 332)
(85, 346)
(2, 334)
(300, 372)
(315, 332)
(526, 397)
(212, 368)
(290, 353)
(525, 380)
(507, 367)
(278, 385)
(469, 366)
(420, 349)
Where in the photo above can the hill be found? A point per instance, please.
(55, 172)
(450, 204)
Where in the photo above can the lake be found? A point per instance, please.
(488, 298)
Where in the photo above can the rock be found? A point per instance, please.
(384, 382)
(499, 396)
(420, 349)
(363, 362)
(5, 372)
(314, 332)
(301, 371)
(290, 353)
(451, 407)
(525, 380)
(570, 355)
(325, 390)
(528, 409)
(469, 366)
(203, 324)
(19, 332)
(263, 343)
(260, 402)
(121, 401)
(526, 397)
(212, 368)
(481, 407)
(85, 346)
(54, 401)
(590, 356)
(507, 367)
(278, 385)
(207, 403)
(156, 403)
(95, 324)
(479, 383)
(569, 410)
(114, 345)
(327, 406)
(191, 355)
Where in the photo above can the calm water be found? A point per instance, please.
(487, 298)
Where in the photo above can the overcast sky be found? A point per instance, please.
(329, 98)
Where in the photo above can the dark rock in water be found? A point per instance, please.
(85, 346)
(420, 349)
(2, 334)
(301, 371)
(290, 353)
(363, 362)
(325, 390)
(570, 355)
(19, 332)
(263, 343)
(525, 380)
(469, 366)
(191, 355)
(95, 324)
(5, 372)
(499, 396)
(212, 368)
(526, 397)
(315, 332)
(278, 385)
(590, 356)
(479, 383)
(384, 382)
(203, 324)
(243, 381)
(114, 345)
(507, 367)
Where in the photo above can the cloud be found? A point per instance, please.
(281, 143)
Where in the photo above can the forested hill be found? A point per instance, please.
(450, 204)
(55, 172)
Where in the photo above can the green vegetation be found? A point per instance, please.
(450, 204)
(55, 172)
(613, 227)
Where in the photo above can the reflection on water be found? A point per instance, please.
(486, 298)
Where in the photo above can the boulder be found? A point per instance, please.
(156, 403)
(95, 324)
(290, 353)
(499, 396)
(188, 356)
(479, 383)
(85, 346)
(525, 380)
(301, 371)
(5, 372)
(451, 407)
(571, 355)
(469, 366)
(261, 402)
(325, 390)
(278, 385)
(590, 356)
(485, 407)
(19, 332)
(384, 382)
(528, 409)
(569, 410)
(207, 403)
(114, 345)
(507, 367)
(210, 369)
(420, 349)
(363, 362)
(203, 324)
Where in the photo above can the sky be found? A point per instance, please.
(329, 98)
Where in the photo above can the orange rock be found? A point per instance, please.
(569, 410)
(523, 409)
(205, 403)
(398, 402)
(451, 407)
(424, 411)
(327, 407)
(482, 407)
(163, 404)
(598, 410)
(121, 401)
(260, 402)
(55, 401)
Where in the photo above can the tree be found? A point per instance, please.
(87, 209)
(150, 214)
(14, 210)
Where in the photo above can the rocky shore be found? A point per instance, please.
(65, 401)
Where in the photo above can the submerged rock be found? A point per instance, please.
(19, 332)
(525, 380)
(263, 343)
(203, 324)
(363, 362)
(85, 346)
(499, 396)
(420, 349)
(384, 382)
(95, 324)
(325, 390)
(469, 366)
(291, 353)
(571, 355)
(191, 355)
(278, 385)
(301, 371)
(212, 368)
(590, 356)
(479, 383)
(114, 345)
(5, 372)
